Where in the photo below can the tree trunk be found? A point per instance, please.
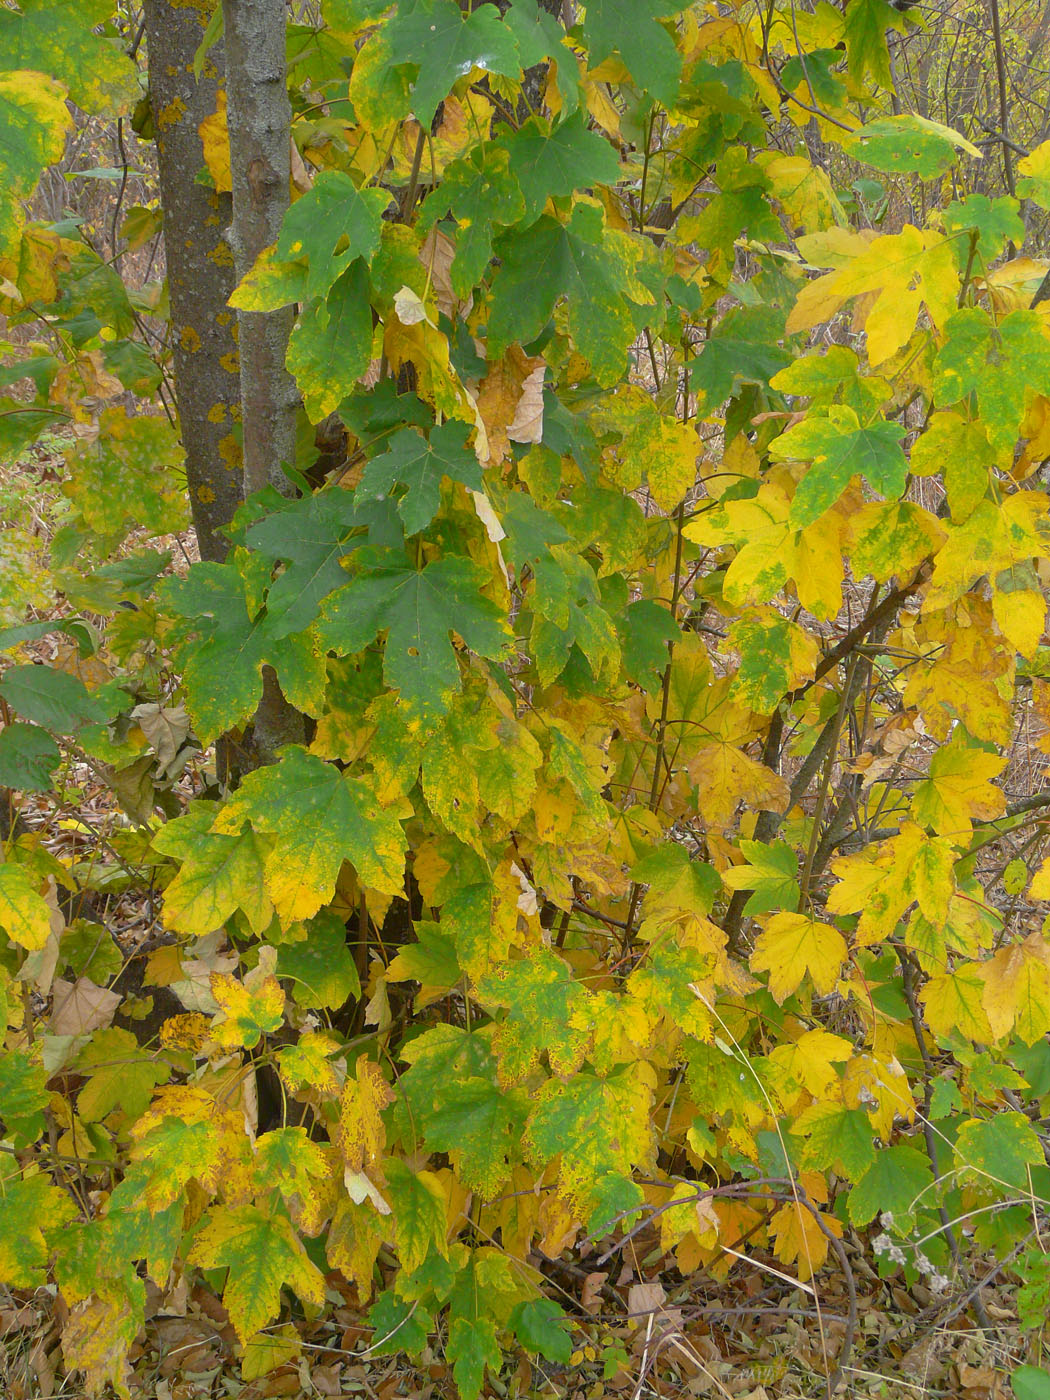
(200, 270)
(260, 117)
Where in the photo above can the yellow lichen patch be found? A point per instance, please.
(171, 114)
(221, 256)
(205, 495)
(189, 340)
(231, 362)
(230, 452)
(217, 413)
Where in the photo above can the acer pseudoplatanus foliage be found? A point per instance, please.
(653, 594)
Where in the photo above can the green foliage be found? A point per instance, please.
(655, 658)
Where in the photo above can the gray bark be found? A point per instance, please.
(259, 117)
(200, 270)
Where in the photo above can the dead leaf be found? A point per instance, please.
(500, 396)
(167, 728)
(591, 1293)
(81, 1006)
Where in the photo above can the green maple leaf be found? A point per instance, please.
(33, 126)
(288, 1161)
(23, 1097)
(131, 1231)
(771, 871)
(540, 36)
(263, 1254)
(1002, 1148)
(483, 195)
(995, 221)
(867, 22)
(51, 698)
(320, 967)
(446, 45)
(570, 157)
(832, 376)
(540, 995)
(223, 647)
(541, 1326)
(479, 1125)
(398, 1326)
(775, 654)
(472, 1346)
(133, 471)
(897, 1181)
(330, 226)
(319, 817)
(839, 448)
(908, 142)
(118, 1074)
(646, 628)
(568, 612)
(419, 1213)
(29, 1207)
(421, 463)
(171, 1154)
(632, 29)
(331, 343)
(837, 1138)
(1003, 364)
(312, 537)
(418, 609)
(590, 265)
(742, 351)
(218, 874)
(598, 1127)
(57, 39)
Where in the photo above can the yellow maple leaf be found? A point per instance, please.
(957, 789)
(24, 914)
(900, 271)
(215, 139)
(954, 1001)
(360, 1133)
(880, 882)
(794, 946)
(800, 1240)
(249, 1009)
(1017, 990)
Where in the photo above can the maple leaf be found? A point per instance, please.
(320, 966)
(263, 1255)
(418, 609)
(840, 447)
(591, 265)
(419, 1213)
(333, 223)
(250, 1009)
(1003, 363)
(954, 1002)
(30, 1208)
(775, 655)
(540, 994)
(24, 914)
(866, 25)
(330, 346)
(881, 883)
(319, 818)
(961, 452)
(1000, 1148)
(225, 644)
(482, 194)
(217, 874)
(792, 947)
(360, 1134)
(896, 1182)
(908, 142)
(800, 1240)
(655, 447)
(633, 30)
(599, 1126)
(903, 270)
(286, 1160)
(771, 872)
(420, 463)
(33, 125)
(548, 163)
(957, 789)
(118, 1074)
(1017, 990)
(836, 1137)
